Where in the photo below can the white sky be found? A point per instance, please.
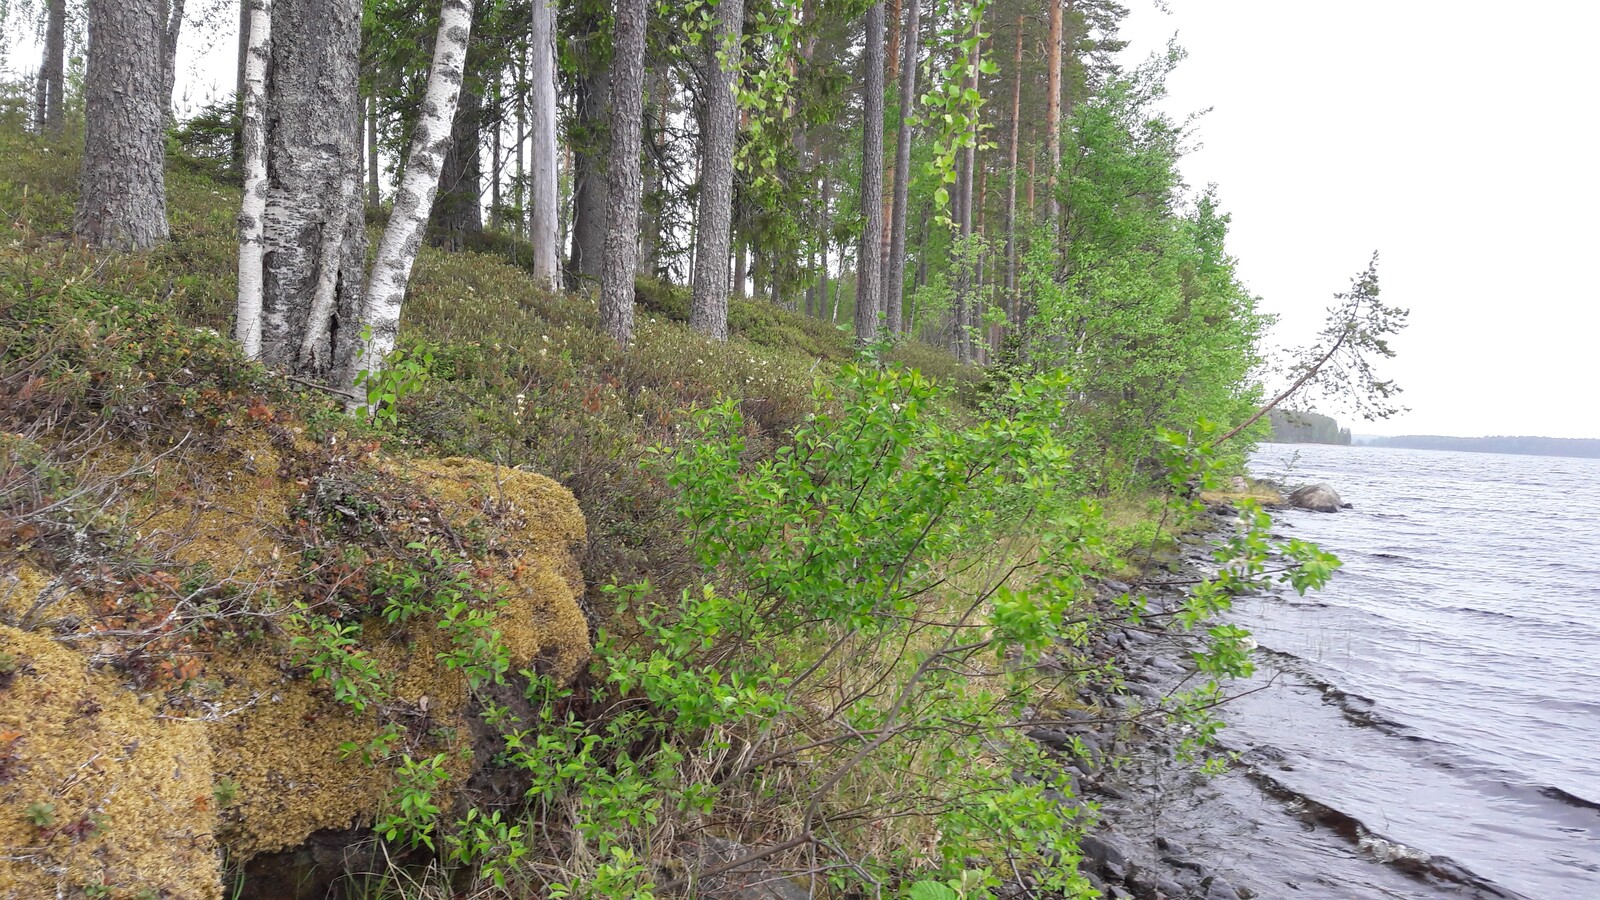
(1456, 138)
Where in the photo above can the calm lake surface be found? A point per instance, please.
(1429, 725)
(1444, 691)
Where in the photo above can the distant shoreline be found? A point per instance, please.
(1566, 448)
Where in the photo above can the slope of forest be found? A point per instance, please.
(1294, 427)
(1586, 448)
(479, 532)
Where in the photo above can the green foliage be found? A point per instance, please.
(40, 814)
(416, 812)
(406, 370)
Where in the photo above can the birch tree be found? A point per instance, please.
(314, 242)
(625, 187)
(544, 200)
(397, 251)
(247, 324)
(708, 309)
(122, 195)
(171, 28)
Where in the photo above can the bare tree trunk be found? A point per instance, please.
(253, 135)
(122, 198)
(1052, 117)
(391, 271)
(544, 200)
(313, 241)
(869, 267)
(966, 301)
(588, 176)
(1013, 177)
(519, 188)
(172, 27)
(708, 311)
(894, 287)
(741, 267)
(374, 190)
(496, 125)
(239, 87)
(458, 212)
(52, 74)
(650, 207)
(826, 241)
(626, 187)
(891, 76)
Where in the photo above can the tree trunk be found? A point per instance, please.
(122, 198)
(397, 251)
(625, 188)
(496, 125)
(1052, 116)
(374, 190)
(458, 214)
(544, 200)
(519, 188)
(869, 267)
(650, 206)
(922, 254)
(894, 286)
(891, 76)
(1011, 189)
(52, 74)
(239, 88)
(172, 27)
(741, 260)
(826, 240)
(253, 136)
(708, 311)
(966, 301)
(589, 154)
(313, 241)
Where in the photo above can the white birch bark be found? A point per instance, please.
(247, 325)
(544, 200)
(397, 251)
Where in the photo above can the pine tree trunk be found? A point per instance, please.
(397, 251)
(966, 301)
(825, 238)
(374, 190)
(247, 320)
(496, 125)
(172, 27)
(313, 241)
(1011, 189)
(122, 199)
(741, 267)
(708, 311)
(869, 267)
(625, 189)
(544, 199)
(1052, 117)
(891, 76)
(589, 154)
(894, 286)
(239, 88)
(650, 206)
(52, 74)
(458, 213)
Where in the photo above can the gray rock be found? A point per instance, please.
(1106, 855)
(1218, 889)
(1317, 498)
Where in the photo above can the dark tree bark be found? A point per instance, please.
(1011, 190)
(625, 188)
(315, 243)
(894, 285)
(51, 113)
(172, 27)
(122, 197)
(708, 311)
(869, 264)
(589, 144)
(374, 192)
(1052, 117)
(457, 212)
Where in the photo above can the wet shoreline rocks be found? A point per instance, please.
(1109, 748)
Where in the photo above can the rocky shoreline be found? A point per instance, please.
(1130, 754)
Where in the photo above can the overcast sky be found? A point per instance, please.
(1458, 139)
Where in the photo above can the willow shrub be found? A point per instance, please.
(884, 597)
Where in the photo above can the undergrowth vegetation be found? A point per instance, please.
(827, 593)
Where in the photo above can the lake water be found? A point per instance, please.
(1429, 725)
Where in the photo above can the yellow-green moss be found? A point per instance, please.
(131, 790)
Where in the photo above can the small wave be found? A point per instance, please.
(1413, 862)
(1570, 799)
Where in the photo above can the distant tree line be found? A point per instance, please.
(1290, 427)
(1586, 448)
